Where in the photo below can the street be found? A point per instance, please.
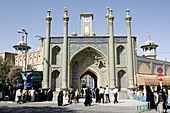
(124, 106)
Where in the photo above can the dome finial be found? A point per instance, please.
(65, 11)
(148, 36)
(74, 33)
(127, 12)
(107, 10)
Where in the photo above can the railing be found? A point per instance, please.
(139, 97)
(143, 107)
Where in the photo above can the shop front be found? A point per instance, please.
(150, 82)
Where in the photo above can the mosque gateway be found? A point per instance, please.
(89, 60)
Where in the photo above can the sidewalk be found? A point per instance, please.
(124, 106)
(122, 102)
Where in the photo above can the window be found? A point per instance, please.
(86, 29)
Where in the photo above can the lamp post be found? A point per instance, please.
(40, 37)
(26, 49)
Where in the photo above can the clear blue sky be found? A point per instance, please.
(151, 16)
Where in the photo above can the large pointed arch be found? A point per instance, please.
(56, 51)
(86, 58)
(55, 80)
(95, 49)
(95, 75)
(121, 55)
(143, 68)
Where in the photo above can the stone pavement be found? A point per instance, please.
(124, 106)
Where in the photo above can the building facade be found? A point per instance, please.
(110, 60)
(8, 56)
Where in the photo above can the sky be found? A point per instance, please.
(148, 16)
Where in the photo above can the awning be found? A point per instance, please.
(151, 80)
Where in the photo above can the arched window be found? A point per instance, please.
(34, 59)
(121, 55)
(55, 80)
(56, 55)
(122, 82)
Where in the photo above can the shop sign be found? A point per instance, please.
(37, 76)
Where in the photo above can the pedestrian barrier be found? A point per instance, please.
(139, 97)
(143, 107)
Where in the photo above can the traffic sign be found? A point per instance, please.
(160, 77)
(159, 70)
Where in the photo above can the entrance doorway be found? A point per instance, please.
(55, 80)
(122, 83)
(89, 79)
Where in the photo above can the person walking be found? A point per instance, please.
(97, 95)
(24, 95)
(70, 95)
(60, 98)
(160, 102)
(19, 95)
(32, 93)
(82, 92)
(49, 94)
(13, 95)
(77, 95)
(107, 94)
(156, 99)
(115, 92)
(101, 93)
(88, 97)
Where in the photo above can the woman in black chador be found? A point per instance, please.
(97, 95)
(88, 99)
(60, 98)
(150, 97)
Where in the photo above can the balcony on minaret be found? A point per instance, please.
(149, 49)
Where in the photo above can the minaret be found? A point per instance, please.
(129, 51)
(149, 49)
(74, 33)
(107, 21)
(65, 50)
(46, 59)
(111, 51)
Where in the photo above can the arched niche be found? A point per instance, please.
(56, 53)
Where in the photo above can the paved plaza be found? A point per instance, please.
(124, 106)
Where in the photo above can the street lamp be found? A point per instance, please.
(40, 37)
(25, 46)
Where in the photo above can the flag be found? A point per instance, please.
(23, 77)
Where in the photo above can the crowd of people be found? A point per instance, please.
(158, 99)
(23, 95)
(101, 94)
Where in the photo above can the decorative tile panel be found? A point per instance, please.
(56, 40)
(75, 47)
(53, 40)
(88, 39)
(120, 39)
(96, 39)
(60, 40)
(166, 67)
(155, 65)
(123, 39)
(141, 62)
